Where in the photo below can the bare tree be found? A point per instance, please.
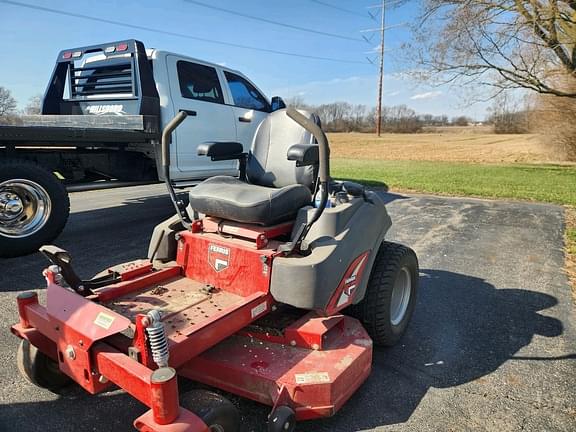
(507, 44)
(555, 119)
(400, 119)
(460, 121)
(510, 115)
(34, 105)
(7, 102)
(296, 102)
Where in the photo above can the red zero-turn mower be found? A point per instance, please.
(251, 289)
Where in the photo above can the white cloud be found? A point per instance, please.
(427, 95)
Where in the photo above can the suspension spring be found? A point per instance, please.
(157, 339)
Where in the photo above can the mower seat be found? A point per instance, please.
(276, 188)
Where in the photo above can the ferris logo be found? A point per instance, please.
(106, 109)
(218, 257)
(350, 282)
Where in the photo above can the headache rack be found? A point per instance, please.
(112, 78)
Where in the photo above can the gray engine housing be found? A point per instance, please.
(340, 235)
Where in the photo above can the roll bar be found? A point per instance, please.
(166, 138)
(323, 173)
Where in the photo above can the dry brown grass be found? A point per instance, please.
(463, 146)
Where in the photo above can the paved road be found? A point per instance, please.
(492, 345)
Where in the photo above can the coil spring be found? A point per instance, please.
(157, 339)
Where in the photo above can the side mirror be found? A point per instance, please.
(277, 103)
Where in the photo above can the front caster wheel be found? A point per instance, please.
(39, 369)
(217, 412)
(282, 419)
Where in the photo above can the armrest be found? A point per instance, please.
(221, 150)
(303, 154)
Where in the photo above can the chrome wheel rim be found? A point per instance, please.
(216, 428)
(400, 296)
(25, 207)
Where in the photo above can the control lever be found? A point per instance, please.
(61, 258)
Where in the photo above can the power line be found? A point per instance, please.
(278, 23)
(341, 9)
(181, 35)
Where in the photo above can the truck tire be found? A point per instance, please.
(388, 304)
(34, 207)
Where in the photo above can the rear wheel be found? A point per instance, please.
(39, 369)
(217, 412)
(390, 296)
(34, 207)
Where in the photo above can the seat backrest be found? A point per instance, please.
(268, 164)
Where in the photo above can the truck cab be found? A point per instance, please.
(222, 105)
(103, 111)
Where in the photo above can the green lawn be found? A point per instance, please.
(546, 183)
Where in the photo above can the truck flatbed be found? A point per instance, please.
(80, 130)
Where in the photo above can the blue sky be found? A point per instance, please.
(31, 39)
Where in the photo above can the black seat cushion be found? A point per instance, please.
(229, 198)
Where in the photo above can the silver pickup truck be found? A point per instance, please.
(102, 114)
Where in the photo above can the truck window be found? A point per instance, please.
(245, 94)
(199, 82)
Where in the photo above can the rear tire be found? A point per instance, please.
(39, 369)
(217, 412)
(390, 296)
(34, 207)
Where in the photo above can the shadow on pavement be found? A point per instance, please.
(463, 329)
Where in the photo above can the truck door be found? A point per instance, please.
(250, 107)
(196, 89)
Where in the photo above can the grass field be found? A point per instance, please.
(547, 183)
(464, 145)
(466, 163)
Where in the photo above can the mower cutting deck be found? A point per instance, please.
(249, 307)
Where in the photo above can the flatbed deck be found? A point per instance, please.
(79, 130)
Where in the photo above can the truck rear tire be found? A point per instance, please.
(34, 207)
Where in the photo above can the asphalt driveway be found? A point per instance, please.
(492, 345)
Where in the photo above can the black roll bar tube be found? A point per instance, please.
(323, 170)
(166, 139)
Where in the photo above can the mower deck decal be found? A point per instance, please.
(104, 320)
(312, 378)
(257, 310)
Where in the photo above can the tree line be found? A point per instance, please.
(9, 106)
(346, 117)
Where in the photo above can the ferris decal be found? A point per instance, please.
(218, 257)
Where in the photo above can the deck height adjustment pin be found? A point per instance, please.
(157, 339)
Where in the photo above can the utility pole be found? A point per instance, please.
(380, 50)
(381, 74)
